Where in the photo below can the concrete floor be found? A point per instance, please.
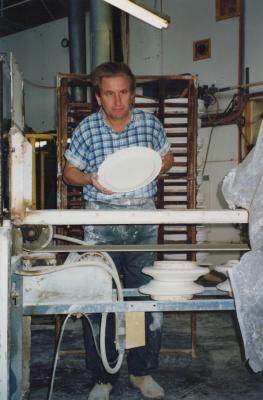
(217, 373)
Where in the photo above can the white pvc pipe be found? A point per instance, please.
(4, 301)
(130, 217)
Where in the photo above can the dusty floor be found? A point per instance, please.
(217, 373)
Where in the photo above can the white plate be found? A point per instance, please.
(129, 169)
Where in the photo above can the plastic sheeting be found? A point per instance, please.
(243, 187)
(247, 283)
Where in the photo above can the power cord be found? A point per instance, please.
(109, 266)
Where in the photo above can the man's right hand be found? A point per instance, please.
(73, 176)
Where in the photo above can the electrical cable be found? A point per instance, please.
(207, 150)
(101, 354)
(51, 386)
(106, 364)
(227, 118)
(68, 239)
(112, 270)
(93, 334)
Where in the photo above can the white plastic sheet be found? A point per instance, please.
(243, 187)
(247, 282)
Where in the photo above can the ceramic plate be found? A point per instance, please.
(129, 169)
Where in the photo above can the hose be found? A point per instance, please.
(108, 368)
(50, 391)
(105, 362)
(111, 269)
(57, 349)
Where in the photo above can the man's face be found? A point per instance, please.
(116, 98)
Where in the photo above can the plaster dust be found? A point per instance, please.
(217, 373)
(157, 321)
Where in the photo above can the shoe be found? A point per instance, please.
(100, 391)
(147, 386)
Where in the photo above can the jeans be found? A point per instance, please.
(140, 360)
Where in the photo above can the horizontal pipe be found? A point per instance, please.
(147, 247)
(130, 217)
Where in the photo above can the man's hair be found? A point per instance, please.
(111, 69)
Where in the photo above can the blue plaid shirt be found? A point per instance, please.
(93, 140)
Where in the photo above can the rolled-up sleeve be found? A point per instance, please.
(77, 152)
(160, 142)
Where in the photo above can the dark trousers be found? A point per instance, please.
(140, 360)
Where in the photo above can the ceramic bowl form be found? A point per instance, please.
(173, 280)
(169, 291)
(175, 264)
(175, 275)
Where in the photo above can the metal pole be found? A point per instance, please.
(100, 32)
(5, 257)
(77, 44)
(1, 140)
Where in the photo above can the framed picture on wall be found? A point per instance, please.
(201, 49)
(227, 9)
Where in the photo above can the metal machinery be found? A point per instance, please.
(34, 282)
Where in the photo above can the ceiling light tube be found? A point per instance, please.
(146, 14)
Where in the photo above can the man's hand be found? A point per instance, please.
(98, 186)
(73, 176)
(167, 162)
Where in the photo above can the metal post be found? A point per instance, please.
(77, 44)
(1, 140)
(100, 32)
(5, 257)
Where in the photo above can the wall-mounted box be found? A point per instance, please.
(227, 9)
(201, 49)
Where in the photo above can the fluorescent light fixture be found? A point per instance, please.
(138, 10)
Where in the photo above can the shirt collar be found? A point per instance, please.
(133, 119)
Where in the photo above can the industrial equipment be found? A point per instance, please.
(33, 282)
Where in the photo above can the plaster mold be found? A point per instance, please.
(173, 280)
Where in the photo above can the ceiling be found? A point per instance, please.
(19, 15)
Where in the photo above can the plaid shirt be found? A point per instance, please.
(93, 141)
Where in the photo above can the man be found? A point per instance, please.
(115, 126)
